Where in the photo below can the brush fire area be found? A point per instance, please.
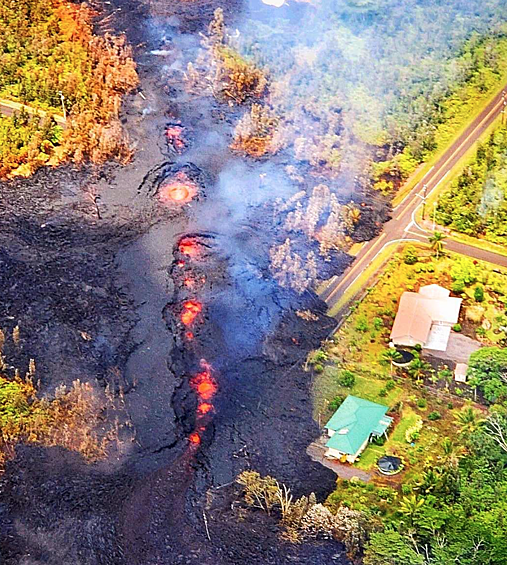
(173, 286)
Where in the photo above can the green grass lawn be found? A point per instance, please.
(369, 457)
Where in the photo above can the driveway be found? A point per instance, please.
(316, 451)
(459, 349)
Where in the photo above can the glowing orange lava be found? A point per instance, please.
(204, 384)
(180, 264)
(188, 247)
(191, 308)
(188, 282)
(189, 336)
(177, 192)
(204, 408)
(174, 135)
(194, 438)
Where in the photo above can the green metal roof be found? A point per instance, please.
(353, 423)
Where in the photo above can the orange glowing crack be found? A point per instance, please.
(194, 438)
(205, 385)
(191, 309)
(204, 408)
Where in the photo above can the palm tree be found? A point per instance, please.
(411, 505)
(469, 420)
(451, 452)
(437, 242)
(418, 368)
(391, 356)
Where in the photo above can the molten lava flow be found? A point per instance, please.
(177, 192)
(204, 384)
(174, 135)
(194, 438)
(191, 308)
(180, 264)
(189, 247)
(204, 408)
(189, 336)
(188, 282)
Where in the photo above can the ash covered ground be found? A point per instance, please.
(99, 287)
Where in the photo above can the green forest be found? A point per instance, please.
(475, 203)
(51, 60)
(376, 88)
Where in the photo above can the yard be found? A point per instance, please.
(424, 395)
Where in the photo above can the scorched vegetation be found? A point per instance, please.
(69, 419)
(52, 63)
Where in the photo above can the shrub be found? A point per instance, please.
(434, 415)
(362, 324)
(412, 433)
(379, 440)
(378, 323)
(450, 405)
(406, 489)
(479, 293)
(347, 379)
(458, 286)
(421, 403)
(456, 327)
(410, 257)
(318, 356)
(418, 347)
(336, 402)
(382, 392)
(318, 368)
(390, 384)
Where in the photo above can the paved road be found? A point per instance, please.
(8, 108)
(403, 227)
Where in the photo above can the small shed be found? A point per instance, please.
(460, 372)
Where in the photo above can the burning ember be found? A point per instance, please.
(180, 190)
(194, 438)
(189, 336)
(175, 139)
(204, 384)
(191, 308)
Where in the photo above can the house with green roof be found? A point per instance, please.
(352, 426)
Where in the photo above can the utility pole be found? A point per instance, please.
(434, 214)
(62, 98)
